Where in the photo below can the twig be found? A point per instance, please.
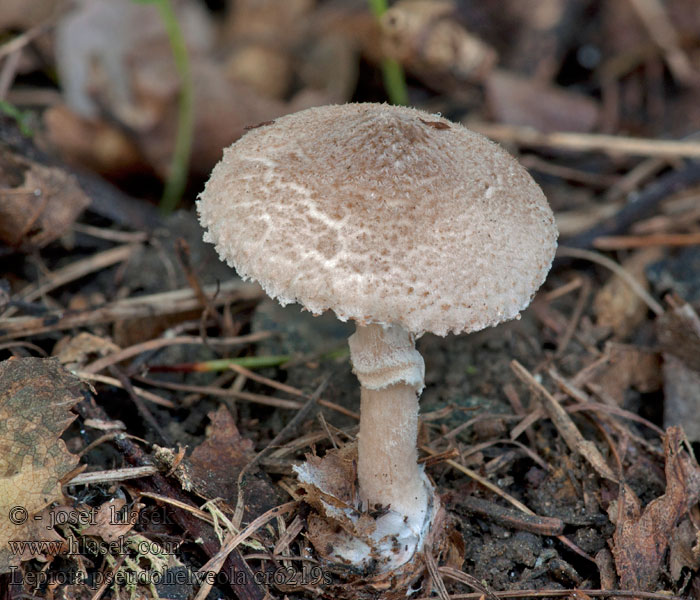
(72, 272)
(575, 317)
(146, 395)
(644, 204)
(565, 426)
(165, 303)
(512, 519)
(515, 502)
(662, 31)
(111, 235)
(232, 541)
(230, 393)
(586, 142)
(285, 433)
(625, 242)
(140, 406)
(616, 268)
(438, 583)
(102, 363)
(19, 42)
(560, 593)
(182, 251)
(113, 475)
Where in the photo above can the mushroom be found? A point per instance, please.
(405, 223)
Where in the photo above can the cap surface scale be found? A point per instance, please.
(382, 214)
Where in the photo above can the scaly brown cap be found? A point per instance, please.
(383, 214)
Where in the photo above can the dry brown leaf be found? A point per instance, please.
(77, 351)
(115, 62)
(214, 466)
(518, 100)
(96, 144)
(679, 333)
(109, 523)
(641, 536)
(616, 305)
(37, 204)
(35, 398)
(679, 336)
(628, 366)
(684, 549)
(425, 38)
(23, 14)
(681, 396)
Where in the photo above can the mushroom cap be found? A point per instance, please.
(383, 214)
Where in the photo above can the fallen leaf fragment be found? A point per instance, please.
(426, 38)
(35, 398)
(679, 333)
(681, 396)
(517, 100)
(641, 537)
(38, 204)
(679, 336)
(628, 366)
(75, 352)
(684, 549)
(215, 464)
(616, 305)
(110, 522)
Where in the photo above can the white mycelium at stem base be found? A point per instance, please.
(391, 371)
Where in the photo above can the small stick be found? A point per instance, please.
(182, 250)
(646, 202)
(665, 36)
(616, 268)
(510, 518)
(72, 272)
(575, 318)
(285, 433)
(226, 393)
(515, 594)
(625, 242)
(146, 395)
(112, 475)
(165, 303)
(587, 142)
(141, 407)
(232, 541)
(514, 501)
(565, 426)
(150, 345)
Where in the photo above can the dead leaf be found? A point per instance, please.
(37, 204)
(426, 38)
(628, 367)
(93, 143)
(684, 549)
(679, 333)
(23, 14)
(641, 536)
(110, 523)
(215, 464)
(616, 305)
(115, 63)
(681, 396)
(35, 398)
(517, 100)
(77, 351)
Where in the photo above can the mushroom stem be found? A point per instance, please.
(390, 371)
